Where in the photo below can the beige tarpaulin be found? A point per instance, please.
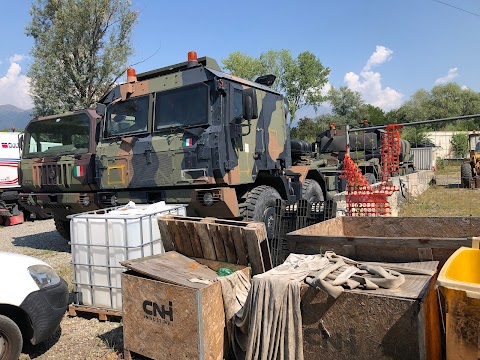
(266, 324)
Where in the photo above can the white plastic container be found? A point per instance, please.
(101, 239)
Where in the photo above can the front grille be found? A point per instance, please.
(54, 174)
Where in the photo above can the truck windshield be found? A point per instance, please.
(183, 107)
(65, 135)
(126, 117)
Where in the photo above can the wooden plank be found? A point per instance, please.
(184, 238)
(218, 242)
(239, 243)
(206, 241)
(172, 267)
(253, 247)
(194, 239)
(224, 233)
(175, 236)
(102, 314)
(167, 238)
(415, 242)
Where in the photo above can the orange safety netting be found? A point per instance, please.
(362, 198)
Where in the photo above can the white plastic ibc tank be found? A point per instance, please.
(102, 239)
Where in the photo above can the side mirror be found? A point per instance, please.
(20, 142)
(249, 102)
(100, 109)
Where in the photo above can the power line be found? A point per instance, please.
(455, 7)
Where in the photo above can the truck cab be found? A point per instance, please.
(57, 171)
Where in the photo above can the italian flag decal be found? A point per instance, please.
(188, 142)
(78, 171)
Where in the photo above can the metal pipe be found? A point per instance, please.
(347, 129)
(413, 123)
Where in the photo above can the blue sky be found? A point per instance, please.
(384, 49)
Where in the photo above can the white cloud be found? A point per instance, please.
(452, 74)
(16, 58)
(464, 87)
(15, 88)
(369, 83)
(381, 55)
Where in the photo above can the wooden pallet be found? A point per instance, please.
(235, 242)
(102, 313)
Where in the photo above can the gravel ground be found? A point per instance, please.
(78, 337)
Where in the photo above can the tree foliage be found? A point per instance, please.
(80, 49)
(459, 143)
(306, 129)
(344, 101)
(443, 101)
(300, 80)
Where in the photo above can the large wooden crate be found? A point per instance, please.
(166, 316)
(392, 239)
(235, 242)
(375, 324)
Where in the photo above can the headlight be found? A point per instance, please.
(43, 275)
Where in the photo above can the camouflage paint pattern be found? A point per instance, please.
(140, 156)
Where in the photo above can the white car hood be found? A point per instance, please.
(15, 281)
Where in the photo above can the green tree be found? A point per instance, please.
(300, 79)
(373, 114)
(459, 143)
(81, 48)
(415, 135)
(242, 65)
(306, 129)
(344, 101)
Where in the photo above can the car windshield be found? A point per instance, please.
(126, 117)
(65, 135)
(183, 107)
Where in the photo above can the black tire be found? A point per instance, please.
(63, 228)
(410, 170)
(465, 175)
(311, 191)
(11, 340)
(370, 177)
(260, 206)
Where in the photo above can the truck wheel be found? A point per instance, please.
(11, 340)
(260, 206)
(466, 175)
(311, 191)
(370, 177)
(63, 228)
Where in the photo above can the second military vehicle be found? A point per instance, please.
(186, 133)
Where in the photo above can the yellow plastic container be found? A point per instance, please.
(459, 281)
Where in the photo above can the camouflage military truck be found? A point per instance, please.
(186, 133)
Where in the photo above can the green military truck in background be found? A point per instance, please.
(187, 133)
(365, 150)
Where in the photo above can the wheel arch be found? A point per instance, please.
(320, 178)
(20, 318)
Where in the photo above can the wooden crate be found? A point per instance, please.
(234, 242)
(376, 324)
(392, 239)
(165, 316)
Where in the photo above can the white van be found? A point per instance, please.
(33, 300)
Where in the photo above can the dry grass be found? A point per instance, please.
(446, 198)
